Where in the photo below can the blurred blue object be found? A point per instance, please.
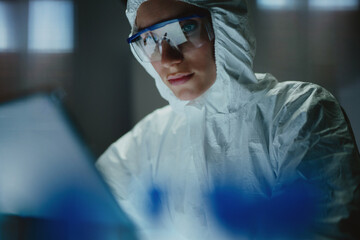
(288, 215)
(233, 210)
(156, 206)
(49, 187)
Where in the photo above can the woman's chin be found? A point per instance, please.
(186, 96)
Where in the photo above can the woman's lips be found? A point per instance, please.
(179, 78)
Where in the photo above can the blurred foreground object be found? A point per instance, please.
(49, 188)
(286, 216)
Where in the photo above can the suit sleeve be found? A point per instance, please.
(126, 169)
(313, 142)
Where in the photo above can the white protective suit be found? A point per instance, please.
(246, 129)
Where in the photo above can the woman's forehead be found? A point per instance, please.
(155, 11)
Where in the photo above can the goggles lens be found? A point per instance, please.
(182, 34)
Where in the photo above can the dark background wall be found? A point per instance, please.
(106, 91)
(99, 96)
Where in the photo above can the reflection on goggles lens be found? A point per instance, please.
(181, 34)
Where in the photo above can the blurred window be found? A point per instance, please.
(334, 4)
(278, 4)
(36, 45)
(7, 41)
(51, 26)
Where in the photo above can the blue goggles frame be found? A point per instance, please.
(160, 25)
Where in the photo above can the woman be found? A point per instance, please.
(224, 124)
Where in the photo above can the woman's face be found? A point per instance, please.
(188, 74)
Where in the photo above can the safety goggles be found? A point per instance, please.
(181, 34)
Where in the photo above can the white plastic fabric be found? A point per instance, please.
(247, 129)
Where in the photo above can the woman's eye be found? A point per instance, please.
(147, 39)
(189, 27)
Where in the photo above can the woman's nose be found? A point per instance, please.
(170, 55)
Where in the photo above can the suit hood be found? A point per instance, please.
(234, 53)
